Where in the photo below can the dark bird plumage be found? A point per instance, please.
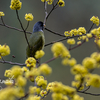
(37, 40)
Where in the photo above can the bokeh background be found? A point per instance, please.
(75, 14)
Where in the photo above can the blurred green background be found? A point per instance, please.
(75, 14)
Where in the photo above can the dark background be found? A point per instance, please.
(75, 14)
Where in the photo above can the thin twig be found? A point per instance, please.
(22, 28)
(55, 32)
(90, 28)
(12, 63)
(86, 89)
(46, 13)
(88, 93)
(10, 27)
(61, 40)
(27, 26)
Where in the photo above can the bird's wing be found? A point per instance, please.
(36, 44)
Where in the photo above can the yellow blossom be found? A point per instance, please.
(4, 50)
(49, 86)
(89, 35)
(57, 96)
(84, 37)
(67, 90)
(96, 56)
(95, 20)
(79, 69)
(78, 77)
(68, 33)
(33, 97)
(8, 73)
(74, 32)
(38, 78)
(31, 74)
(81, 30)
(59, 49)
(16, 71)
(24, 69)
(45, 69)
(21, 81)
(39, 54)
(71, 41)
(93, 80)
(77, 85)
(44, 0)
(57, 87)
(65, 61)
(41, 81)
(9, 82)
(79, 42)
(15, 4)
(89, 63)
(98, 42)
(1, 13)
(72, 62)
(77, 97)
(34, 90)
(50, 2)
(61, 3)
(43, 92)
(29, 17)
(30, 62)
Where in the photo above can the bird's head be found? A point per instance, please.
(38, 26)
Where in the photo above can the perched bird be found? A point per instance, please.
(37, 40)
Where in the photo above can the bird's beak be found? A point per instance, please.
(44, 25)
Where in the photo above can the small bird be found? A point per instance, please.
(37, 40)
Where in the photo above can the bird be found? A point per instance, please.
(37, 40)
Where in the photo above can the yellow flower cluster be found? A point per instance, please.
(32, 74)
(80, 31)
(39, 54)
(10, 93)
(30, 62)
(79, 69)
(4, 50)
(45, 69)
(43, 92)
(34, 90)
(96, 56)
(77, 82)
(60, 91)
(96, 32)
(15, 4)
(89, 63)
(77, 97)
(25, 69)
(41, 81)
(48, 1)
(21, 81)
(1, 13)
(16, 71)
(93, 80)
(70, 62)
(71, 41)
(60, 50)
(8, 73)
(29, 17)
(95, 20)
(61, 3)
